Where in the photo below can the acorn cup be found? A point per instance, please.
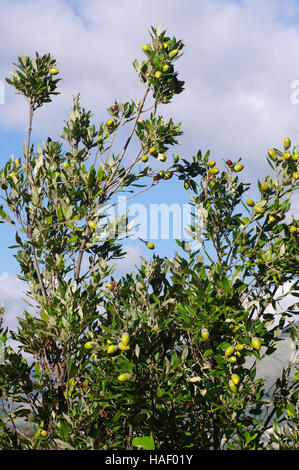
(122, 347)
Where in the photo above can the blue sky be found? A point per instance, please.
(239, 62)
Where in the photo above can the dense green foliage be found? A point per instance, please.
(182, 378)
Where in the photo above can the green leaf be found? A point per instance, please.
(249, 438)
(185, 353)
(208, 353)
(59, 213)
(100, 174)
(108, 330)
(2, 213)
(145, 442)
(237, 273)
(276, 427)
(37, 369)
(68, 212)
(45, 317)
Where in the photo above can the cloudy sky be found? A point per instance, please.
(240, 63)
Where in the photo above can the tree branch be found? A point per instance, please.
(130, 135)
(29, 226)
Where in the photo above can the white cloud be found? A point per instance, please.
(285, 299)
(12, 290)
(129, 262)
(237, 65)
(12, 293)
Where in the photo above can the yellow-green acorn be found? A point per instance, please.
(256, 344)
(205, 334)
(265, 186)
(259, 209)
(229, 351)
(235, 379)
(125, 338)
(238, 167)
(293, 229)
(174, 52)
(287, 143)
(232, 359)
(92, 224)
(272, 153)
(111, 285)
(123, 377)
(250, 202)
(152, 151)
(112, 349)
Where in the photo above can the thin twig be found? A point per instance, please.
(29, 225)
(130, 135)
